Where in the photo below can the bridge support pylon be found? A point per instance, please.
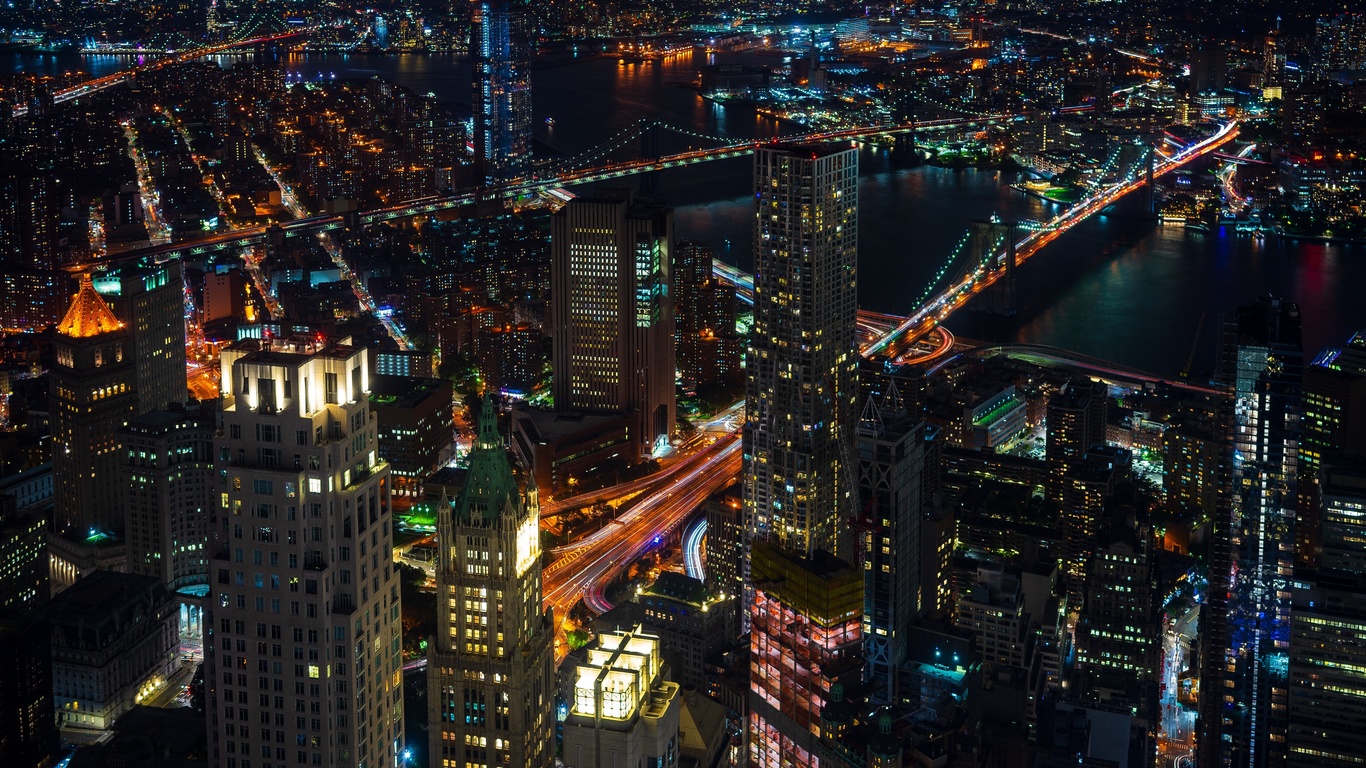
(993, 243)
(650, 186)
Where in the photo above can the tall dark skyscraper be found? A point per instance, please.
(501, 48)
(611, 275)
(892, 448)
(490, 673)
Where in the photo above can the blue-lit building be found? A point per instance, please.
(1265, 367)
(501, 50)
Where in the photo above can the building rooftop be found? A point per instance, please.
(405, 391)
(89, 314)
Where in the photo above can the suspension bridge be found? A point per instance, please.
(248, 37)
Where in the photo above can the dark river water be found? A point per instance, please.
(1118, 287)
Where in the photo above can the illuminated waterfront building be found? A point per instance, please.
(625, 710)
(1265, 363)
(302, 635)
(612, 310)
(500, 47)
(490, 669)
(805, 637)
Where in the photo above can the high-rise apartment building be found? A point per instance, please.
(1339, 43)
(167, 475)
(800, 480)
(36, 291)
(801, 388)
(1075, 421)
(500, 46)
(612, 309)
(303, 655)
(1266, 368)
(23, 556)
(709, 348)
(490, 671)
(28, 730)
(891, 450)
(1118, 629)
(1327, 668)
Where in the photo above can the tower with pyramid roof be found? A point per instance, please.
(490, 669)
(93, 394)
(120, 352)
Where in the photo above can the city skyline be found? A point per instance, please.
(963, 385)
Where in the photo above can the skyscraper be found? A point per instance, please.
(801, 386)
(94, 393)
(1327, 669)
(120, 352)
(892, 449)
(1333, 422)
(612, 309)
(1266, 365)
(490, 671)
(167, 476)
(800, 474)
(501, 49)
(302, 640)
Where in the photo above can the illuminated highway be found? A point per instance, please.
(587, 574)
(694, 547)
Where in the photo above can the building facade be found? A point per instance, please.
(613, 315)
(303, 658)
(490, 668)
(1267, 366)
(805, 633)
(114, 643)
(168, 478)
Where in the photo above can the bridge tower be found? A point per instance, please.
(993, 243)
(903, 112)
(1149, 201)
(649, 150)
